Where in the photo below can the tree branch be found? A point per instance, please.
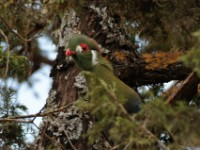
(187, 89)
(20, 37)
(134, 69)
(148, 68)
(15, 118)
(50, 138)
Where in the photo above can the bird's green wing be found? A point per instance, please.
(105, 63)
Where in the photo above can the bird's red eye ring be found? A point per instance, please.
(84, 47)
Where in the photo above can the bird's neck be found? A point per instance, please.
(84, 61)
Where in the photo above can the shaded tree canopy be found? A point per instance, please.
(148, 43)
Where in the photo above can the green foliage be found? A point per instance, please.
(196, 101)
(21, 22)
(180, 121)
(11, 133)
(141, 130)
(51, 147)
(150, 92)
(166, 25)
(100, 104)
(191, 59)
(16, 65)
(151, 20)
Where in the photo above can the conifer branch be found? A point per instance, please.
(7, 54)
(51, 139)
(15, 33)
(70, 142)
(181, 91)
(14, 118)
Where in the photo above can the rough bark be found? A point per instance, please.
(132, 68)
(184, 89)
(67, 127)
(149, 68)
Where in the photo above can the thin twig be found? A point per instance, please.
(21, 38)
(70, 142)
(127, 145)
(51, 139)
(7, 54)
(107, 140)
(113, 96)
(115, 147)
(183, 88)
(39, 114)
(15, 120)
(143, 127)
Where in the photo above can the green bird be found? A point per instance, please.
(86, 54)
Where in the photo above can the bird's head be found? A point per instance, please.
(84, 51)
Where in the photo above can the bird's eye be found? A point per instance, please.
(84, 47)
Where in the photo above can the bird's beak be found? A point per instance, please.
(70, 52)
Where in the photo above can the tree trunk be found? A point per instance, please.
(65, 129)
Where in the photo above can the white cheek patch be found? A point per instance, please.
(79, 49)
(94, 57)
